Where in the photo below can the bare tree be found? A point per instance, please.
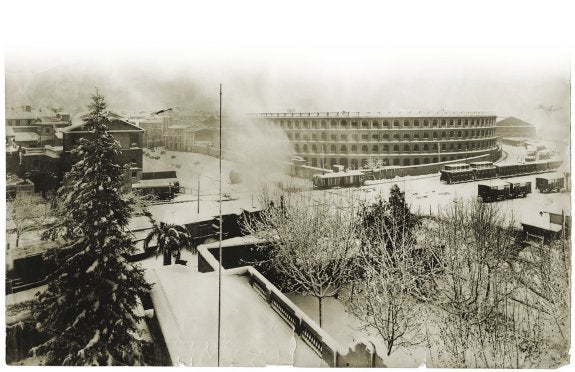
(310, 244)
(26, 212)
(476, 324)
(391, 270)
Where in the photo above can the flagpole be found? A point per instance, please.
(220, 240)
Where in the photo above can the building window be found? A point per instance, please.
(305, 124)
(364, 137)
(395, 161)
(333, 137)
(297, 136)
(332, 149)
(434, 160)
(323, 124)
(364, 124)
(395, 148)
(406, 137)
(426, 147)
(434, 135)
(314, 137)
(314, 124)
(374, 149)
(296, 147)
(415, 148)
(406, 162)
(304, 148)
(443, 122)
(333, 124)
(415, 161)
(396, 124)
(425, 160)
(343, 137)
(385, 148)
(314, 149)
(343, 148)
(416, 136)
(406, 123)
(406, 148)
(451, 134)
(364, 149)
(385, 136)
(396, 137)
(323, 136)
(416, 123)
(443, 135)
(375, 124)
(425, 135)
(354, 124)
(353, 148)
(314, 162)
(425, 123)
(385, 123)
(375, 137)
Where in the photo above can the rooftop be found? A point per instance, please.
(252, 334)
(347, 114)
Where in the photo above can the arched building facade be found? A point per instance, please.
(355, 140)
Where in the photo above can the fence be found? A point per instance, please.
(360, 354)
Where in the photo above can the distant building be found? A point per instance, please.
(45, 166)
(354, 140)
(513, 127)
(35, 127)
(183, 137)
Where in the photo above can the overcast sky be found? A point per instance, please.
(323, 58)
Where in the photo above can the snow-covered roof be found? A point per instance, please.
(494, 183)
(26, 136)
(252, 333)
(340, 174)
(541, 221)
(154, 183)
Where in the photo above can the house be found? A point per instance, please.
(130, 137)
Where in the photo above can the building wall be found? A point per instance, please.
(325, 139)
(516, 131)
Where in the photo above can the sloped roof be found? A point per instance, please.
(115, 125)
(26, 136)
(513, 122)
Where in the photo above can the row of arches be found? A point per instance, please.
(406, 148)
(383, 123)
(376, 137)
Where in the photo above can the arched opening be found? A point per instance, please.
(415, 161)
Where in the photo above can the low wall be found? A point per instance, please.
(360, 355)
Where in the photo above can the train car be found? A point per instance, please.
(508, 170)
(164, 192)
(338, 179)
(550, 183)
(456, 173)
(519, 189)
(484, 170)
(541, 166)
(493, 191)
(554, 164)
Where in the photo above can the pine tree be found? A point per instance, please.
(89, 307)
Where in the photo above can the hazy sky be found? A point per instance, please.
(304, 57)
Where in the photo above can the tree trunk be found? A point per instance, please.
(319, 300)
(167, 258)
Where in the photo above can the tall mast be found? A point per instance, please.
(220, 241)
